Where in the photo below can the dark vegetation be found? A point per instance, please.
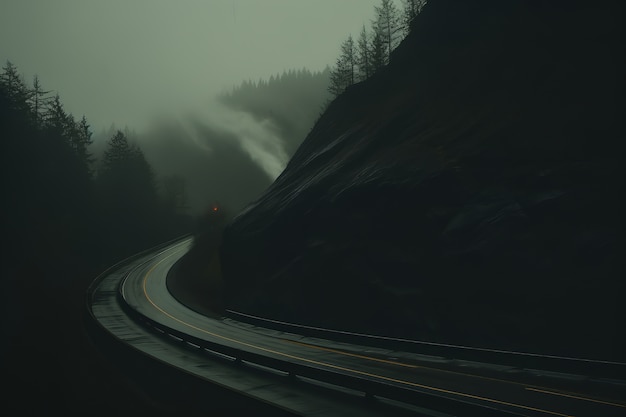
(73, 207)
(363, 56)
(469, 192)
(62, 223)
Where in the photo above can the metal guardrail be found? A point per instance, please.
(524, 360)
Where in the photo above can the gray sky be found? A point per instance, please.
(129, 61)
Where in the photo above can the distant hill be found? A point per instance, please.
(292, 102)
(470, 192)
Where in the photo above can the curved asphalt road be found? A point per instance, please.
(519, 392)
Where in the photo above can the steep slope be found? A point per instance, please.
(470, 192)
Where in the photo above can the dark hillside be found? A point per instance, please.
(470, 192)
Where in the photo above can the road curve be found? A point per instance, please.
(471, 386)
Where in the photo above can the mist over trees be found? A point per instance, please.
(234, 148)
(104, 189)
(199, 163)
(290, 102)
(343, 74)
(358, 60)
(57, 204)
(113, 193)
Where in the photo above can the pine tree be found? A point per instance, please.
(118, 151)
(125, 172)
(126, 192)
(342, 75)
(349, 53)
(411, 9)
(377, 48)
(81, 142)
(364, 55)
(388, 25)
(76, 134)
(38, 100)
(56, 118)
(14, 88)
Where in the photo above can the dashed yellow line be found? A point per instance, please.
(340, 352)
(562, 394)
(504, 381)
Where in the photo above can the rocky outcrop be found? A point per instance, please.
(470, 192)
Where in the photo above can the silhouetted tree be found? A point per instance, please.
(56, 118)
(377, 48)
(349, 53)
(126, 169)
(47, 190)
(76, 134)
(15, 88)
(364, 55)
(342, 75)
(54, 211)
(388, 25)
(117, 154)
(81, 141)
(373, 49)
(38, 100)
(411, 8)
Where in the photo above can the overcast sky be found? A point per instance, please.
(128, 61)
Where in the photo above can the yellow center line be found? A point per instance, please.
(328, 365)
(576, 397)
(340, 352)
(504, 381)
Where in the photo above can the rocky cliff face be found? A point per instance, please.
(470, 192)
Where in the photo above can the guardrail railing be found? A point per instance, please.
(369, 386)
(524, 360)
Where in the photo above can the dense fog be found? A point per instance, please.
(160, 71)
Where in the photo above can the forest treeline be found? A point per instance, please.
(63, 204)
(294, 100)
(362, 56)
